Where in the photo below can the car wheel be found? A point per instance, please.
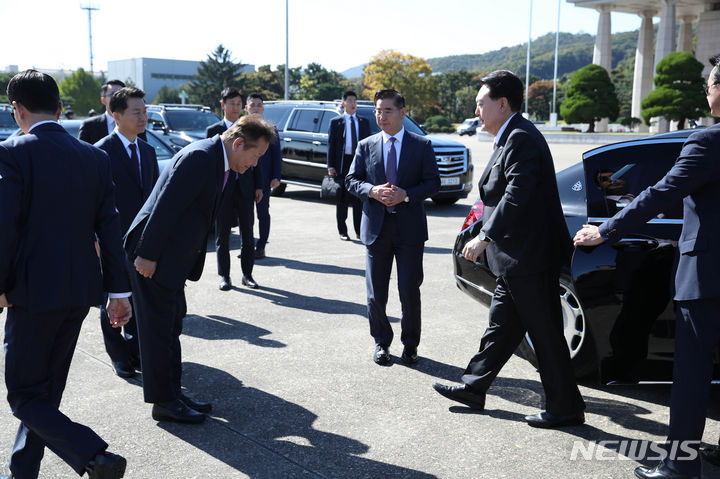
(444, 201)
(576, 331)
(279, 191)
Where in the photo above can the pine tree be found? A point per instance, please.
(214, 74)
(590, 97)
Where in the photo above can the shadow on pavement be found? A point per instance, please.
(308, 303)
(263, 435)
(221, 327)
(313, 267)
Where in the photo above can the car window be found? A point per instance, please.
(305, 120)
(277, 114)
(326, 119)
(161, 151)
(155, 117)
(181, 120)
(6, 120)
(616, 176)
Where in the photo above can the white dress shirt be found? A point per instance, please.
(110, 122)
(126, 143)
(348, 133)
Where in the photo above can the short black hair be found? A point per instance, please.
(391, 94)
(119, 100)
(505, 84)
(107, 86)
(36, 91)
(348, 93)
(255, 96)
(230, 93)
(715, 62)
(251, 128)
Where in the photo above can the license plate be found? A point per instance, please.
(449, 181)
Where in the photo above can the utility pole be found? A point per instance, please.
(90, 9)
(287, 54)
(527, 65)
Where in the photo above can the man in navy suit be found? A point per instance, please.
(238, 202)
(270, 165)
(135, 171)
(98, 127)
(694, 179)
(344, 134)
(57, 196)
(393, 173)
(166, 246)
(526, 248)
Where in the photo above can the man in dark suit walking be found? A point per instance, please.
(393, 173)
(694, 179)
(135, 171)
(344, 134)
(526, 248)
(57, 196)
(270, 165)
(166, 246)
(237, 204)
(98, 127)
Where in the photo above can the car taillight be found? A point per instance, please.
(475, 214)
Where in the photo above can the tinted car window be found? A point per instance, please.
(326, 119)
(155, 117)
(181, 120)
(161, 151)
(616, 176)
(277, 114)
(6, 120)
(305, 120)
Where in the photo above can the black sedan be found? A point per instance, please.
(619, 319)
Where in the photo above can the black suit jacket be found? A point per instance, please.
(336, 143)
(173, 225)
(130, 194)
(522, 213)
(417, 174)
(57, 195)
(215, 129)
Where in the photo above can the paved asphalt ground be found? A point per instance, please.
(295, 394)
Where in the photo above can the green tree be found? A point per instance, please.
(590, 97)
(270, 83)
(4, 80)
(167, 95)
(317, 83)
(540, 96)
(411, 76)
(213, 75)
(465, 98)
(448, 86)
(82, 90)
(438, 124)
(678, 93)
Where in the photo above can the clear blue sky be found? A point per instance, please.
(338, 34)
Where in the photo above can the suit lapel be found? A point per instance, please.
(377, 157)
(501, 145)
(406, 156)
(493, 158)
(125, 158)
(220, 172)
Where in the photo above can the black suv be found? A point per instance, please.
(7, 124)
(303, 127)
(179, 124)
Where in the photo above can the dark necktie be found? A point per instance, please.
(391, 168)
(227, 174)
(135, 161)
(353, 136)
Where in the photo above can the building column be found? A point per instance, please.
(684, 43)
(602, 54)
(664, 45)
(708, 31)
(643, 75)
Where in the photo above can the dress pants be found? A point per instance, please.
(263, 215)
(697, 332)
(38, 351)
(120, 343)
(159, 312)
(529, 304)
(243, 208)
(341, 213)
(409, 263)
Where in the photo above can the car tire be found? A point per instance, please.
(279, 191)
(577, 334)
(444, 201)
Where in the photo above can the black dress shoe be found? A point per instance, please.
(711, 455)
(106, 465)
(259, 253)
(177, 411)
(225, 284)
(661, 471)
(381, 355)
(135, 363)
(196, 405)
(409, 355)
(249, 282)
(462, 394)
(124, 369)
(344, 237)
(548, 421)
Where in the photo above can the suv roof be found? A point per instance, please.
(176, 106)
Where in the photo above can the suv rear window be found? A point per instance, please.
(305, 120)
(181, 120)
